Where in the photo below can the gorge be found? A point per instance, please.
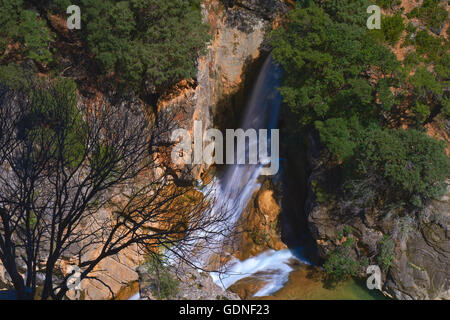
(353, 129)
(312, 225)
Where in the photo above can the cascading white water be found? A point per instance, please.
(239, 183)
(235, 188)
(272, 267)
(233, 191)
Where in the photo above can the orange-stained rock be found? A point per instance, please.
(260, 224)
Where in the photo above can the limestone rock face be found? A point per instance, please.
(260, 224)
(113, 274)
(238, 33)
(421, 266)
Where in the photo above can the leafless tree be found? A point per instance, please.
(74, 177)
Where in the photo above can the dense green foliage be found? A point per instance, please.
(391, 30)
(387, 4)
(427, 89)
(429, 45)
(413, 164)
(432, 13)
(428, 74)
(26, 29)
(340, 135)
(325, 59)
(142, 45)
(139, 40)
(15, 77)
(342, 80)
(386, 256)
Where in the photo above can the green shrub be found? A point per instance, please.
(442, 67)
(340, 265)
(425, 83)
(321, 195)
(428, 45)
(36, 37)
(166, 284)
(413, 165)
(446, 108)
(412, 59)
(339, 135)
(351, 12)
(388, 4)
(421, 111)
(386, 255)
(428, 93)
(60, 6)
(15, 77)
(392, 28)
(431, 13)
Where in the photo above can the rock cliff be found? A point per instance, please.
(218, 94)
(191, 285)
(238, 30)
(419, 240)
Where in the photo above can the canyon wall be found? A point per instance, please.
(238, 30)
(218, 95)
(420, 239)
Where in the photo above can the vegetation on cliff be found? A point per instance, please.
(341, 264)
(344, 80)
(144, 46)
(410, 166)
(79, 169)
(165, 283)
(23, 33)
(154, 40)
(370, 106)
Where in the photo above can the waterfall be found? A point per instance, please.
(238, 185)
(233, 191)
(271, 267)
